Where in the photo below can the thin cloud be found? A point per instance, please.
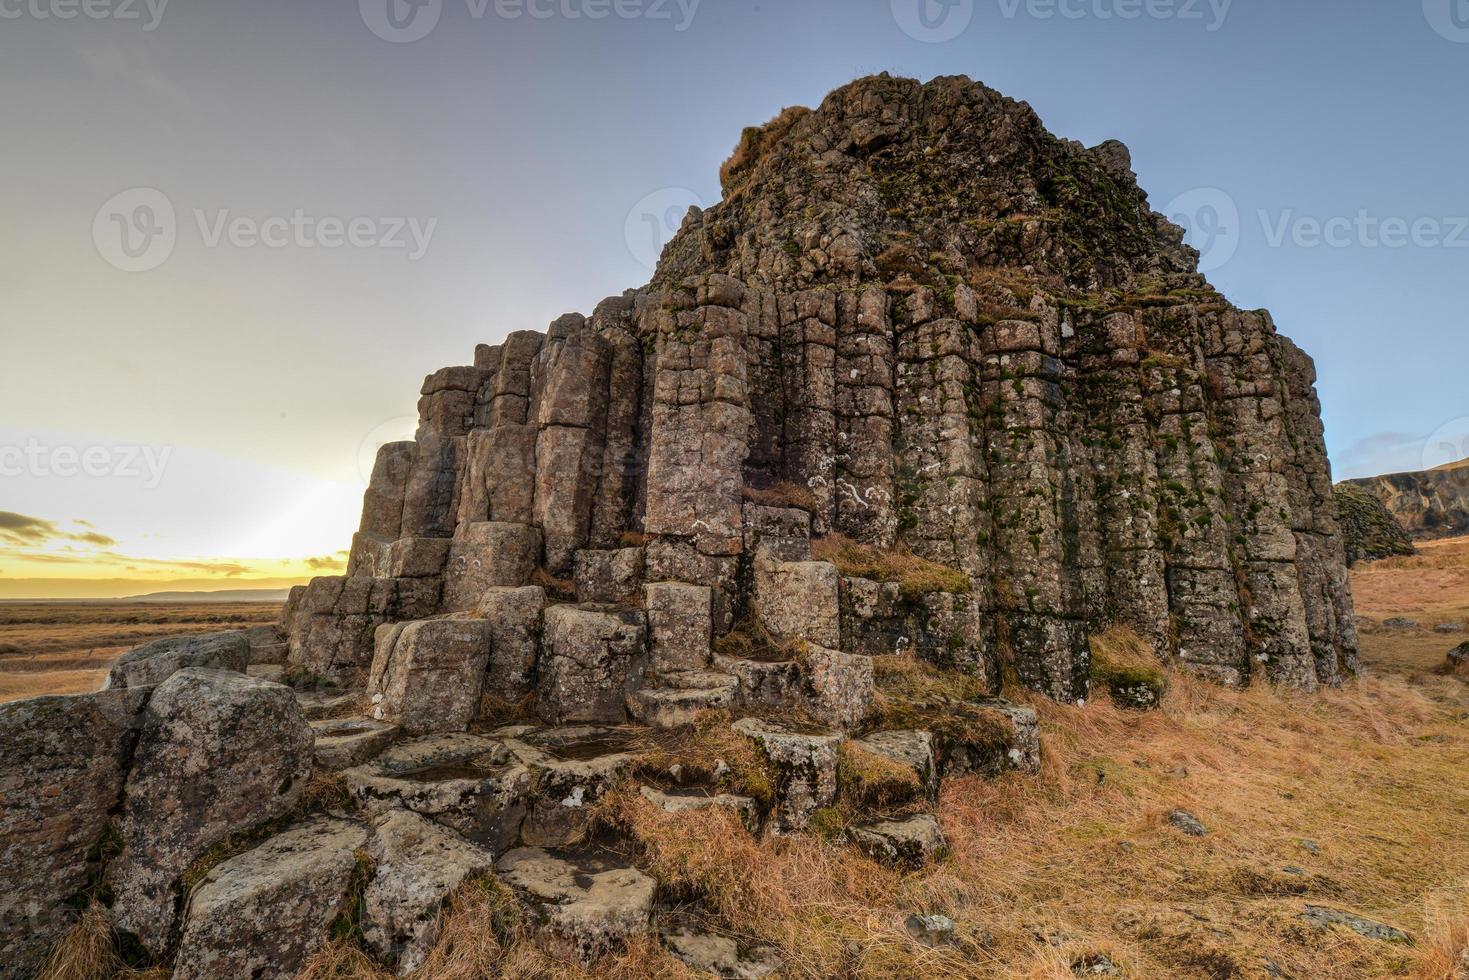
(328, 562)
(24, 531)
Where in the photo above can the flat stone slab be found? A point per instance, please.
(688, 801)
(342, 743)
(465, 782)
(589, 899)
(722, 956)
(1324, 918)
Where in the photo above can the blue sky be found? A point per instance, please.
(501, 170)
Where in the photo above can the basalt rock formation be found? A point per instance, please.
(930, 401)
(953, 334)
(1428, 504)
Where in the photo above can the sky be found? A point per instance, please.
(236, 236)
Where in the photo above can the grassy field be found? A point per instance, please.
(1354, 800)
(65, 648)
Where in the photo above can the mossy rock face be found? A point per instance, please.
(1135, 688)
(1138, 696)
(1369, 530)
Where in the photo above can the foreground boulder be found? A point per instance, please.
(219, 753)
(62, 769)
(260, 914)
(416, 864)
(155, 662)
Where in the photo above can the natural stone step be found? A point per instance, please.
(675, 706)
(911, 842)
(984, 737)
(805, 763)
(694, 680)
(907, 748)
(342, 743)
(467, 783)
(684, 801)
(571, 768)
(316, 705)
(592, 900)
(416, 864)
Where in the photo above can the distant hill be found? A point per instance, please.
(228, 595)
(1428, 504)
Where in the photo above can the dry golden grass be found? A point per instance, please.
(85, 952)
(66, 648)
(1432, 586)
(915, 576)
(783, 494)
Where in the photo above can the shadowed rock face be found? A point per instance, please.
(951, 332)
(1369, 529)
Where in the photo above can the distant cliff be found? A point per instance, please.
(1429, 504)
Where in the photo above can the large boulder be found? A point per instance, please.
(426, 676)
(416, 863)
(219, 753)
(262, 913)
(153, 663)
(61, 777)
(588, 656)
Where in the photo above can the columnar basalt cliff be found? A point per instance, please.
(931, 409)
(954, 334)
